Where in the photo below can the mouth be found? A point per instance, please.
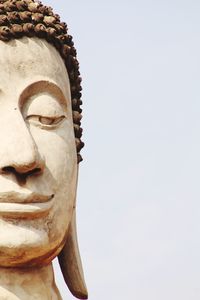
(25, 205)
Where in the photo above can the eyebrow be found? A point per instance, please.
(41, 87)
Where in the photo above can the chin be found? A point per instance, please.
(23, 244)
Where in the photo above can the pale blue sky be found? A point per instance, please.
(139, 192)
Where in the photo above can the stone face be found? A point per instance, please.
(38, 167)
(38, 154)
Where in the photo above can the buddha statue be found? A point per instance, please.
(40, 134)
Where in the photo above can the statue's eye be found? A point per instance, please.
(46, 121)
(50, 121)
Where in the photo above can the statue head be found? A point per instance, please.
(40, 135)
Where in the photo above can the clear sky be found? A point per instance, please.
(139, 191)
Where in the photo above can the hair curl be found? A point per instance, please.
(19, 18)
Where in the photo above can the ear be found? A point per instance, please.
(70, 263)
(70, 260)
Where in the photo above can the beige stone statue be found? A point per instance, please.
(39, 153)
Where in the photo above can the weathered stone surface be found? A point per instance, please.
(38, 172)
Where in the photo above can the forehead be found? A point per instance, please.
(28, 60)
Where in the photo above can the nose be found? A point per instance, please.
(19, 155)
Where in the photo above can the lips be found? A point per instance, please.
(17, 197)
(25, 205)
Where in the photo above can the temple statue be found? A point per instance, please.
(40, 144)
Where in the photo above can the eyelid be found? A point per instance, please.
(46, 121)
(45, 105)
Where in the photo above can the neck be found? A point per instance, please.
(28, 284)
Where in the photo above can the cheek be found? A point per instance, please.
(57, 147)
(59, 153)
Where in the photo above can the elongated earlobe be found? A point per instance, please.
(70, 263)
